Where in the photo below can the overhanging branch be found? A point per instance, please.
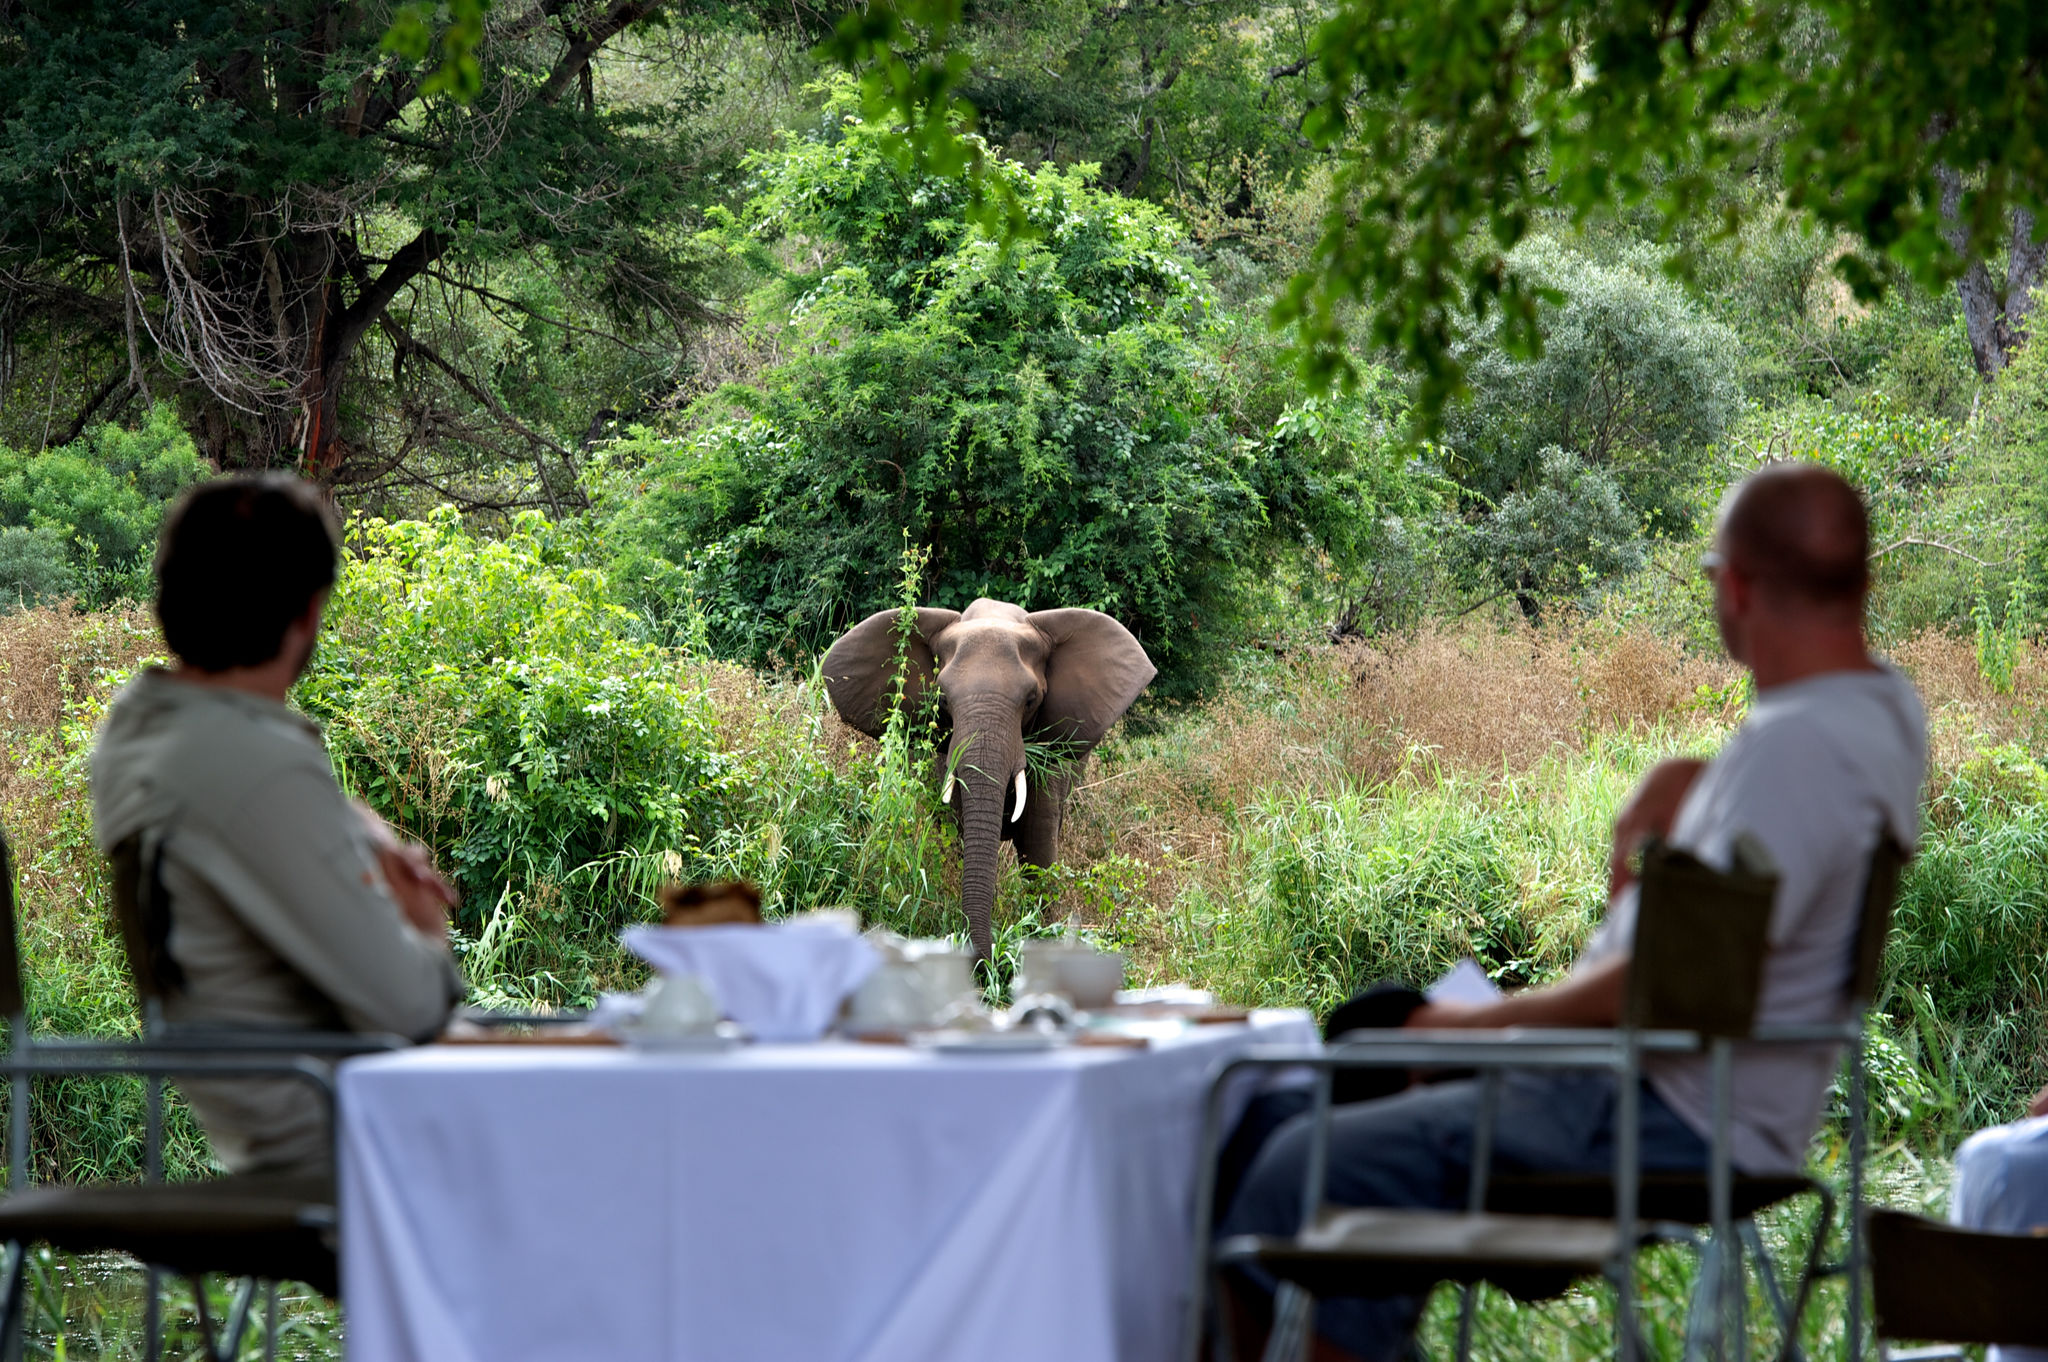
(588, 40)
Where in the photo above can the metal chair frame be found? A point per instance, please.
(1618, 1051)
(163, 1052)
(303, 1058)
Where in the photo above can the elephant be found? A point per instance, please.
(1005, 676)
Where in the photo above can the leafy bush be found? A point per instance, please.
(1566, 533)
(101, 500)
(1035, 418)
(1633, 378)
(34, 566)
(490, 698)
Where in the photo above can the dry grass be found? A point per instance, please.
(753, 711)
(57, 664)
(54, 657)
(1944, 667)
(1444, 702)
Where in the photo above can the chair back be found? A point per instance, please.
(1698, 959)
(1880, 892)
(141, 909)
(1945, 1284)
(12, 997)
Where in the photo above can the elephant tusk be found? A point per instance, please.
(1018, 812)
(947, 786)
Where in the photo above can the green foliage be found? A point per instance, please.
(907, 834)
(1457, 128)
(459, 73)
(1633, 378)
(488, 697)
(1568, 533)
(33, 565)
(2001, 635)
(1384, 530)
(1327, 895)
(2006, 477)
(1035, 417)
(1964, 968)
(85, 515)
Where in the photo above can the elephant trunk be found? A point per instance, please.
(988, 754)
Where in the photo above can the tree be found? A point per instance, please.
(1632, 378)
(1910, 124)
(1037, 418)
(1173, 100)
(1566, 533)
(239, 201)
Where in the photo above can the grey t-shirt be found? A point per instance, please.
(1818, 771)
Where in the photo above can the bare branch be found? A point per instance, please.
(569, 70)
(1937, 544)
(115, 380)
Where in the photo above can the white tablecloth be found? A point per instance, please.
(824, 1203)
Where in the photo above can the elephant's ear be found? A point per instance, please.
(860, 669)
(1095, 671)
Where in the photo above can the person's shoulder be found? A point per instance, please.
(1834, 741)
(1865, 707)
(216, 743)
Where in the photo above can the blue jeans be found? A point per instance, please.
(1415, 1149)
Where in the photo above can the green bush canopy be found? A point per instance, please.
(1034, 418)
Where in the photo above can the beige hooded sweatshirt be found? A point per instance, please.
(279, 917)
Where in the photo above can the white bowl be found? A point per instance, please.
(1092, 980)
(1082, 974)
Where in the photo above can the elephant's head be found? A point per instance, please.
(1005, 675)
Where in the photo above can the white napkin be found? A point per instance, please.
(780, 980)
(1464, 982)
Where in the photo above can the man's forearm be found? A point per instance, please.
(1590, 997)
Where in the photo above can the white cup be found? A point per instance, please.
(892, 998)
(1081, 974)
(678, 1005)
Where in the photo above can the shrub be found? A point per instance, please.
(1035, 416)
(33, 566)
(102, 498)
(489, 698)
(1633, 378)
(1566, 533)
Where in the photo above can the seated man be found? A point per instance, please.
(2002, 1186)
(1830, 757)
(276, 902)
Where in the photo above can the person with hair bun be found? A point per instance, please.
(274, 902)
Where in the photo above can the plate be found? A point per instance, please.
(725, 1037)
(991, 1042)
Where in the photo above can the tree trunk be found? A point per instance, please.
(1994, 318)
(2025, 260)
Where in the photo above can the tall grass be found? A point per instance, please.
(1334, 817)
(1322, 895)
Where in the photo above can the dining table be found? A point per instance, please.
(822, 1202)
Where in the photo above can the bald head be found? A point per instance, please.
(1798, 531)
